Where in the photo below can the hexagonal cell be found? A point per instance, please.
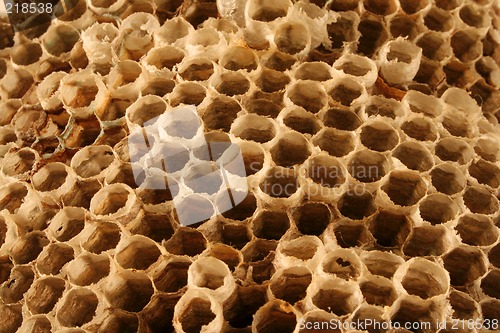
(164, 57)
(335, 142)
(51, 177)
(128, 290)
(238, 57)
(19, 163)
(116, 110)
(447, 179)
(116, 321)
(77, 308)
(83, 132)
(270, 224)
(275, 317)
(494, 256)
(186, 241)
(254, 127)
(271, 81)
(351, 233)
(212, 179)
(234, 234)
(301, 121)
(197, 70)
(314, 71)
(279, 182)
(485, 172)
(390, 228)
(267, 12)
(13, 317)
(414, 155)
(342, 263)
(424, 278)
(424, 104)
(220, 113)
(437, 208)
(105, 236)
(420, 128)
(158, 86)
(434, 46)
(382, 106)
(379, 136)
(373, 35)
(465, 265)
(260, 254)
(310, 95)
(292, 148)
(303, 248)
(466, 45)
(19, 82)
(454, 149)
(380, 7)
(44, 294)
(291, 37)
(60, 39)
(480, 200)
(12, 196)
(279, 61)
(487, 149)
(210, 273)
(263, 104)
(346, 91)
(189, 93)
(378, 290)
(341, 118)
(430, 73)
(311, 218)
(367, 166)
(489, 283)
(249, 300)
(243, 210)
(88, 268)
(139, 253)
(464, 307)
(408, 312)
(232, 83)
(253, 157)
(356, 203)
(337, 299)
(326, 171)
(36, 323)
(457, 124)
(490, 309)
(170, 275)
(438, 20)
(28, 247)
(91, 161)
(227, 254)
(404, 26)
(54, 257)
(405, 188)
(477, 230)
(291, 284)
(381, 263)
(20, 280)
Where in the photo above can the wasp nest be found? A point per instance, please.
(251, 166)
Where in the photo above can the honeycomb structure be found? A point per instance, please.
(370, 136)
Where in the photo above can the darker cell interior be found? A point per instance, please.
(165, 58)
(158, 86)
(259, 250)
(262, 106)
(465, 265)
(414, 155)
(249, 300)
(343, 5)
(235, 235)
(342, 119)
(379, 137)
(438, 20)
(409, 313)
(463, 305)
(28, 247)
(270, 224)
(302, 121)
(83, 133)
(119, 322)
(476, 230)
(315, 71)
(44, 294)
(411, 6)
(276, 319)
(308, 95)
(351, 234)
(291, 38)
(291, 287)
(356, 204)
(491, 310)
(54, 257)
(196, 315)
(312, 218)
(341, 31)
(232, 83)
(447, 4)
(220, 113)
(404, 26)
(20, 163)
(26, 54)
(105, 237)
(479, 200)
(433, 46)
(373, 35)
(242, 210)
(437, 209)
(198, 71)
(326, 171)
(485, 172)
(472, 16)
(494, 256)
(378, 292)
(390, 229)
(457, 125)
(425, 241)
(78, 308)
(62, 39)
(279, 61)
(421, 283)
(114, 111)
(447, 179)
(456, 73)
(138, 255)
(352, 68)
(380, 7)
(420, 128)
(253, 157)
(341, 267)
(186, 241)
(334, 142)
(188, 93)
(367, 166)
(405, 188)
(239, 58)
(271, 81)
(11, 197)
(344, 94)
(18, 283)
(335, 301)
(112, 203)
(291, 149)
(466, 46)
(279, 182)
(489, 284)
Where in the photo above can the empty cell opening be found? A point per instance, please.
(373, 35)
(124, 73)
(67, 223)
(110, 200)
(19, 162)
(275, 317)
(494, 256)
(367, 166)
(453, 149)
(485, 172)
(356, 205)
(302, 121)
(405, 188)
(199, 70)
(336, 301)
(412, 7)
(230, 256)
(138, 254)
(208, 273)
(263, 106)
(270, 224)
(342, 266)
(351, 234)
(438, 20)
(378, 105)
(334, 142)
(326, 171)
(404, 26)
(91, 161)
(165, 57)
(7, 135)
(26, 54)
(463, 305)
(434, 46)
(456, 124)
(489, 284)
(173, 29)
(253, 157)
(420, 281)
(12, 196)
(409, 313)
(195, 315)
(220, 113)
(244, 209)
(309, 95)
(487, 149)
(466, 45)
(448, 4)
(146, 109)
(128, 290)
(291, 38)
(279, 61)
(238, 58)
(430, 73)
(188, 93)
(235, 235)
(380, 7)
(60, 39)
(116, 110)
(314, 71)
(477, 230)
(343, 5)
(379, 136)
(186, 241)
(491, 309)
(105, 237)
(271, 81)
(312, 218)
(473, 16)
(291, 149)
(378, 291)
(291, 284)
(421, 129)
(480, 200)
(87, 269)
(382, 263)
(249, 300)
(78, 308)
(390, 229)
(254, 127)
(437, 208)
(346, 92)
(268, 11)
(232, 83)
(447, 179)
(158, 86)
(279, 182)
(341, 31)
(17, 284)
(171, 276)
(342, 119)
(303, 248)
(465, 265)
(414, 155)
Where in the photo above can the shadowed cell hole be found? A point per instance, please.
(270, 224)
(389, 228)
